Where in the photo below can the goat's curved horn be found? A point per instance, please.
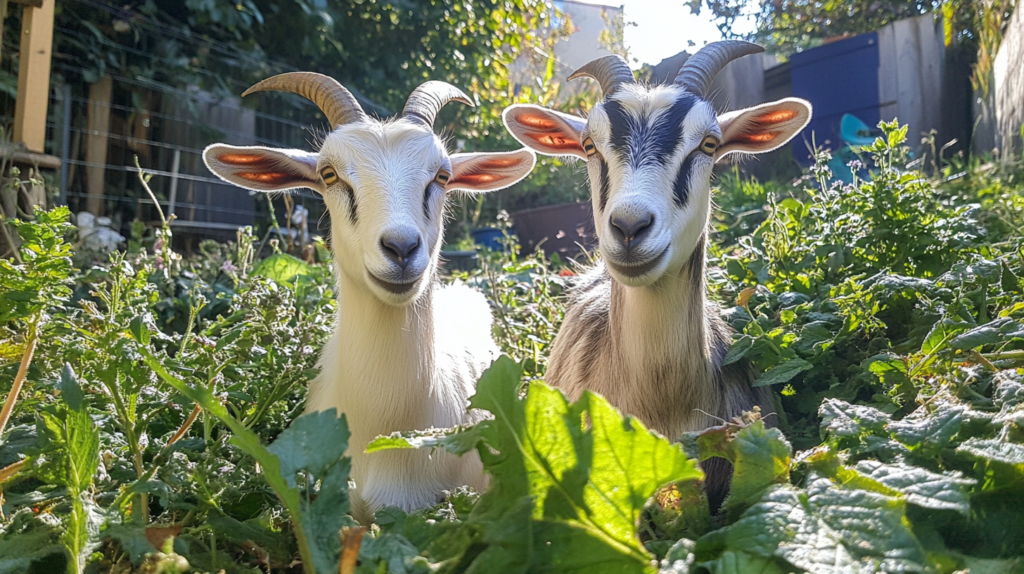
(337, 103)
(700, 70)
(610, 71)
(425, 101)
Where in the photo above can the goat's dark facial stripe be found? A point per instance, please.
(681, 187)
(604, 184)
(665, 136)
(352, 215)
(427, 195)
(640, 140)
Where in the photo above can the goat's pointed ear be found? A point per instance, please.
(480, 172)
(264, 169)
(545, 131)
(762, 128)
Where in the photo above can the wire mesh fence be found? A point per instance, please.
(99, 126)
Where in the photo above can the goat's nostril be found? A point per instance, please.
(630, 230)
(398, 249)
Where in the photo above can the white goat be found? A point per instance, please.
(639, 328)
(406, 352)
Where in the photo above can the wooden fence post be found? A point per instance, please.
(34, 76)
(96, 142)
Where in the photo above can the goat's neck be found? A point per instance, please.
(393, 337)
(665, 324)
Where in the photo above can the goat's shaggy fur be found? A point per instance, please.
(406, 352)
(652, 352)
(640, 329)
(401, 369)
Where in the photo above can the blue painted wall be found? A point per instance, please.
(837, 78)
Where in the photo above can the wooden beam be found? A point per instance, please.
(21, 157)
(34, 76)
(32, 3)
(96, 142)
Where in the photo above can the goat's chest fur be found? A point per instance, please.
(654, 352)
(401, 369)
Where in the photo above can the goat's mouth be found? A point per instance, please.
(636, 271)
(396, 288)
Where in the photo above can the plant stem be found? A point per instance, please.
(979, 358)
(10, 470)
(1004, 356)
(145, 185)
(133, 446)
(185, 426)
(250, 443)
(19, 379)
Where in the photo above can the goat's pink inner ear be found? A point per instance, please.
(499, 163)
(546, 132)
(475, 179)
(756, 137)
(244, 159)
(554, 141)
(775, 117)
(271, 178)
(536, 121)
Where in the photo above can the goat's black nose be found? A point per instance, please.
(631, 230)
(399, 249)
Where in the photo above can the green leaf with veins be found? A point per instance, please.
(947, 491)
(761, 458)
(825, 529)
(993, 449)
(782, 373)
(568, 481)
(315, 445)
(924, 429)
(281, 267)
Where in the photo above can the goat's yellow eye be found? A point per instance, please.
(329, 175)
(709, 145)
(589, 147)
(442, 178)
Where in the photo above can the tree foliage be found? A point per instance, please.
(787, 26)
(224, 47)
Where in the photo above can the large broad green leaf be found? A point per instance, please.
(826, 529)
(929, 429)
(281, 267)
(739, 349)
(941, 334)
(738, 562)
(393, 550)
(921, 487)
(994, 449)
(568, 481)
(1009, 391)
(782, 373)
(315, 444)
(781, 524)
(628, 464)
(873, 527)
(457, 440)
(1003, 329)
(81, 445)
(842, 419)
(761, 459)
(25, 539)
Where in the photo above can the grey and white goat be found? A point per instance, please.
(406, 352)
(640, 329)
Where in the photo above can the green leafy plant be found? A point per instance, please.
(158, 425)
